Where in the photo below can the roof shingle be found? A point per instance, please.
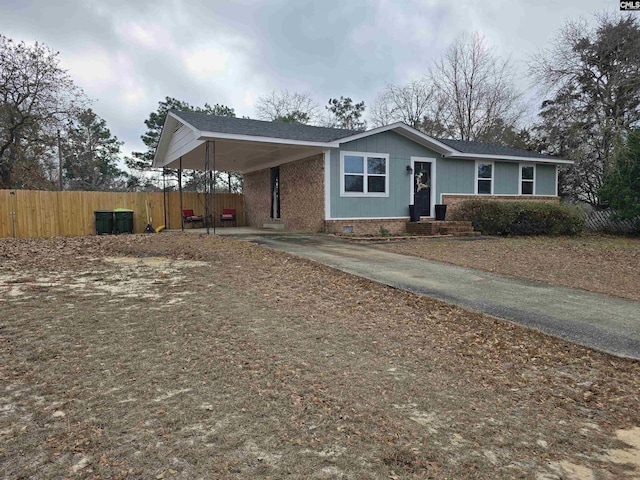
(480, 148)
(260, 128)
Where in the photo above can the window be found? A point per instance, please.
(484, 178)
(364, 174)
(527, 179)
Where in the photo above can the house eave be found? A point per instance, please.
(204, 136)
(510, 158)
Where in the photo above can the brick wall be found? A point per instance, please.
(257, 198)
(453, 200)
(369, 226)
(301, 195)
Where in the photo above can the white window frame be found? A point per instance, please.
(365, 193)
(522, 165)
(493, 176)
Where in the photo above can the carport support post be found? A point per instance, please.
(180, 190)
(164, 195)
(207, 186)
(214, 186)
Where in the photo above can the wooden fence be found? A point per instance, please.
(53, 214)
(602, 221)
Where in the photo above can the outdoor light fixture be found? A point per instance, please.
(409, 169)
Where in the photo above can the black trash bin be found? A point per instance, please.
(441, 212)
(104, 222)
(414, 213)
(123, 220)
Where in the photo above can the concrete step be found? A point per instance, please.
(273, 226)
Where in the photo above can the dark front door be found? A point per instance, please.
(422, 188)
(275, 192)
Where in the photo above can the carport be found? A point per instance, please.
(210, 143)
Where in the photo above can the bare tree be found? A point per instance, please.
(35, 94)
(410, 103)
(285, 106)
(476, 87)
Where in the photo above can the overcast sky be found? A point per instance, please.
(128, 55)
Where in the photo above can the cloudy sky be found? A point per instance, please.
(128, 55)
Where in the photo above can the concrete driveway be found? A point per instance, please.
(590, 319)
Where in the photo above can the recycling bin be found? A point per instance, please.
(123, 220)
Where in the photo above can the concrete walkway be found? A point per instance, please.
(597, 321)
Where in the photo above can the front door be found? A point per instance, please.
(275, 192)
(422, 188)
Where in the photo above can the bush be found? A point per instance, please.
(521, 218)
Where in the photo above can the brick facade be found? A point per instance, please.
(368, 227)
(257, 198)
(430, 227)
(452, 201)
(301, 195)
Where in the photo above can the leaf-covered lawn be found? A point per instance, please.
(187, 356)
(602, 264)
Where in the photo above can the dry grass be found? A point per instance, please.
(602, 264)
(250, 363)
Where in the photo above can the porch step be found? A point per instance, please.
(430, 227)
(273, 226)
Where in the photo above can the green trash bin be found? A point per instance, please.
(104, 222)
(124, 220)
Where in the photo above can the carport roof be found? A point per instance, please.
(260, 128)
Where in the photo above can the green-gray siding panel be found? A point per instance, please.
(400, 150)
(454, 176)
(545, 179)
(506, 178)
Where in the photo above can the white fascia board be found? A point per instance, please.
(510, 158)
(252, 138)
(430, 141)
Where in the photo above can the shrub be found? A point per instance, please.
(521, 218)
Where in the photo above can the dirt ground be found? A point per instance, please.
(598, 263)
(180, 356)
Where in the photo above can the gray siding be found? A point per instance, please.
(454, 176)
(545, 179)
(506, 178)
(400, 150)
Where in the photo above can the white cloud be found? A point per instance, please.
(208, 62)
(90, 67)
(146, 35)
